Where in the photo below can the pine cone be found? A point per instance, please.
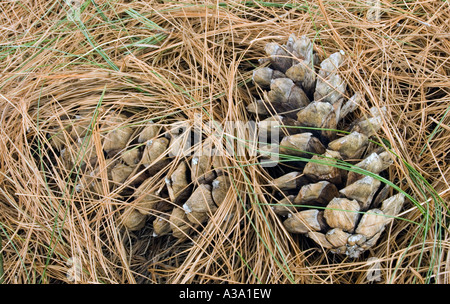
(174, 194)
(339, 209)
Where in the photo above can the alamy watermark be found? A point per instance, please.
(230, 138)
(74, 272)
(74, 9)
(374, 270)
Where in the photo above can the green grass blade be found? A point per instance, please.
(435, 130)
(10, 241)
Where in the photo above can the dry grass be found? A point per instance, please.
(166, 60)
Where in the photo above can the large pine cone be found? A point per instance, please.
(345, 210)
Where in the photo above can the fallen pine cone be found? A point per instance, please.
(341, 209)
